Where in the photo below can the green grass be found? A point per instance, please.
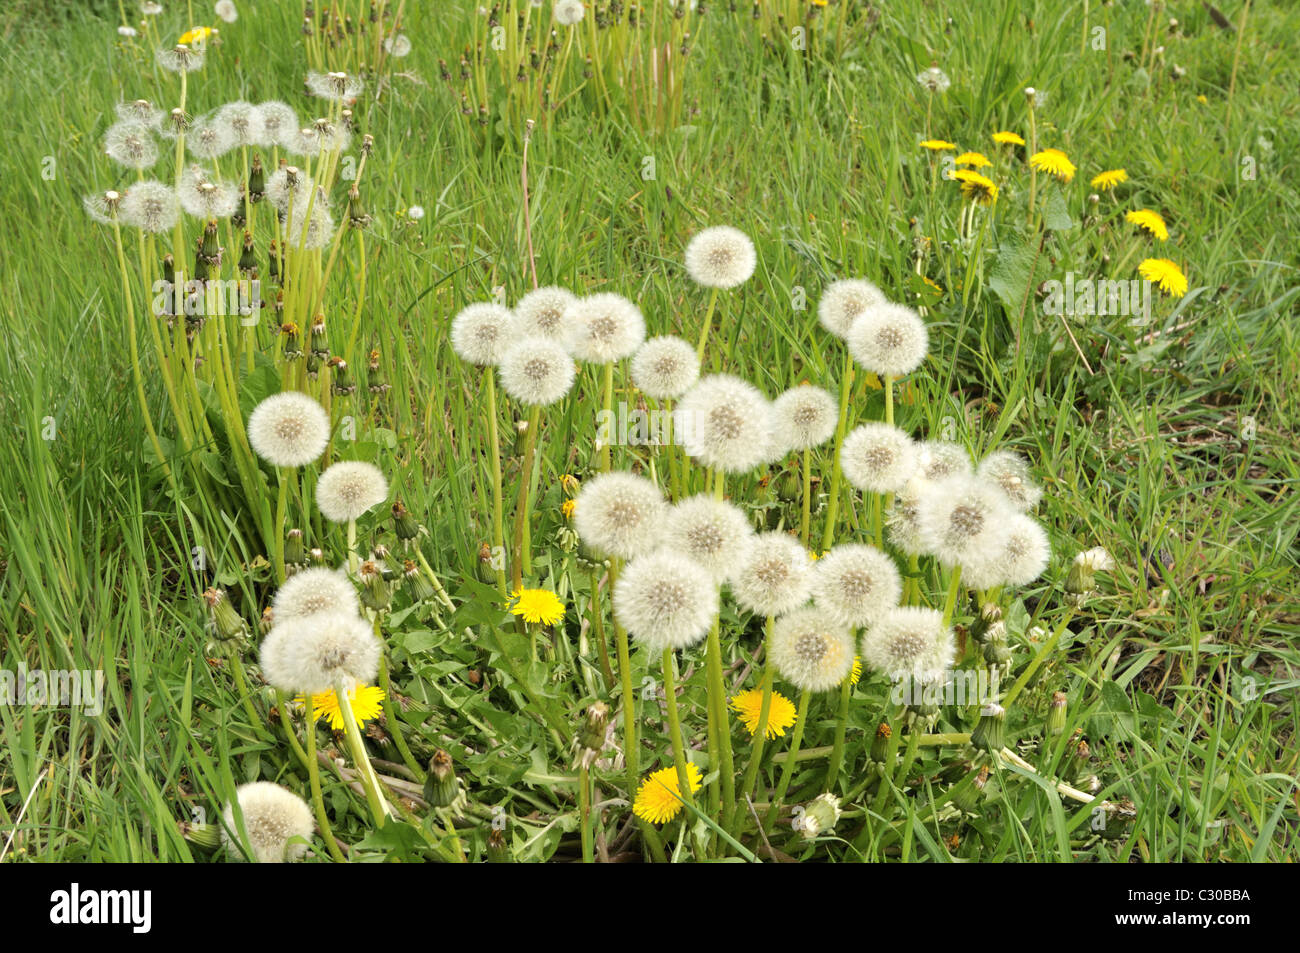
(1181, 672)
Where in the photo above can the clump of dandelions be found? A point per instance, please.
(131, 143)
(962, 522)
(278, 823)
(843, 301)
(856, 584)
(1009, 472)
(541, 312)
(804, 417)
(289, 429)
(720, 257)
(665, 601)
(604, 327)
(909, 642)
(568, 12)
(878, 458)
(150, 206)
(313, 591)
(888, 339)
(811, 650)
(775, 576)
(1019, 558)
(713, 533)
(727, 424)
(537, 371)
(620, 514)
(665, 367)
(348, 489)
(481, 332)
(316, 653)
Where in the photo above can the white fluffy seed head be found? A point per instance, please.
(242, 122)
(856, 584)
(541, 312)
(349, 488)
(937, 460)
(1025, 552)
(775, 576)
(720, 257)
(279, 123)
(208, 139)
(315, 653)
(335, 86)
(288, 184)
(273, 816)
(963, 522)
(603, 327)
(288, 429)
(712, 532)
(878, 458)
(620, 514)
(225, 9)
(313, 591)
(727, 424)
(398, 46)
(665, 601)
(904, 518)
(909, 642)
(1009, 472)
(804, 417)
(811, 649)
(150, 206)
(665, 367)
(131, 143)
(843, 301)
(537, 371)
(482, 331)
(888, 339)
(310, 231)
(209, 200)
(568, 12)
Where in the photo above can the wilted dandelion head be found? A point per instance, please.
(273, 818)
(665, 600)
(963, 521)
(665, 367)
(314, 653)
(288, 429)
(775, 576)
(482, 332)
(939, 459)
(711, 532)
(131, 143)
(1019, 559)
(843, 301)
(856, 584)
(397, 46)
(568, 12)
(311, 226)
(620, 514)
(242, 122)
(180, 59)
(720, 257)
(313, 591)
(150, 206)
(603, 327)
(537, 371)
(727, 424)
(225, 10)
(811, 649)
(934, 79)
(279, 123)
(102, 207)
(1009, 472)
(541, 312)
(878, 458)
(334, 86)
(903, 517)
(288, 184)
(349, 488)
(889, 339)
(804, 417)
(909, 642)
(209, 200)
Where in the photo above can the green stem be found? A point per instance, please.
(357, 748)
(841, 729)
(498, 534)
(675, 728)
(833, 501)
(787, 772)
(1039, 657)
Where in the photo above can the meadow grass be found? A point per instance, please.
(1175, 451)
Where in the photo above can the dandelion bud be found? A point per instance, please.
(1118, 819)
(988, 734)
(592, 734)
(292, 343)
(417, 584)
(374, 591)
(820, 816)
(1081, 580)
(294, 554)
(788, 487)
(207, 836)
(968, 792)
(210, 250)
(498, 850)
(267, 621)
(1056, 715)
(989, 614)
(440, 786)
(404, 524)
(357, 215)
(341, 381)
(224, 621)
(880, 743)
(1079, 758)
(318, 340)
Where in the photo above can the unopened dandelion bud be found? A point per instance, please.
(357, 216)
(319, 340)
(341, 381)
(374, 591)
(273, 264)
(440, 787)
(224, 620)
(267, 621)
(820, 816)
(880, 742)
(207, 836)
(1079, 758)
(996, 653)
(988, 734)
(313, 365)
(256, 180)
(498, 848)
(416, 582)
(989, 613)
(567, 540)
(294, 553)
(1117, 819)
(486, 565)
(968, 792)
(292, 342)
(1081, 580)
(591, 735)
(404, 524)
(248, 255)
(1056, 712)
(789, 487)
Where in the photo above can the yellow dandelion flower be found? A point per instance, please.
(1109, 179)
(933, 284)
(976, 160)
(198, 34)
(780, 713)
(1165, 274)
(1203, 99)
(939, 145)
(570, 484)
(364, 700)
(657, 797)
(538, 605)
(1005, 138)
(567, 508)
(856, 674)
(1053, 162)
(976, 187)
(1149, 221)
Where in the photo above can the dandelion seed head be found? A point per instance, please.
(1009, 472)
(225, 10)
(603, 327)
(804, 417)
(727, 424)
(314, 591)
(288, 184)
(150, 206)
(713, 533)
(620, 514)
(289, 429)
(209, 200)
(939, 459)
(180, 59)
(888, 339)
(903, 518)
(934, 79)
(775, 576)
(856, 584)
(131, 143)
(909, 642)
(279, 123)
(878, 458)
(334, 86)
(665, 600)
(720, 257)
(273, 816)
(811, 649)
(208, 139)
(568, 12)
(537, 371)
(312, 224)
(481, 332)
(349, 488)
(963, 522)
(242, 122)
(1020, 558)
(843, 301)
(142, 111)
(665, 367)
(397, 46)
(314, 653)
(541, 312)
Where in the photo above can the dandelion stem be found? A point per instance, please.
(494, 440)
(379, 810)
(521, 560)
(675, 727)
(1039, 657)
(787, 772)
(954, 587)
(833, 501)
(805, 516)
(317, 799)
(841, 728)
(390, 714)
(708, 323)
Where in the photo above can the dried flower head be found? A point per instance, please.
(348, 489)
(665, 367)
(720, 257)
(289, 429)
(665, 601)
(619, 514)
(537, 371)
(856, 584)
(811, 649)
